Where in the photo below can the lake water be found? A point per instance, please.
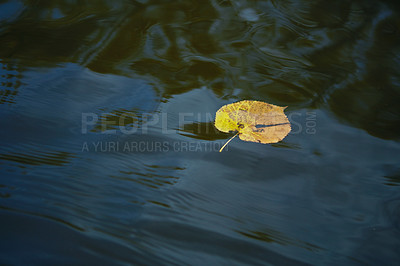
(108, 153)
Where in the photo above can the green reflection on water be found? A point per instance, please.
(291, 53)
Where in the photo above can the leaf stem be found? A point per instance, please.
(228, 142)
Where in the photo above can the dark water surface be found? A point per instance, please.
(108, 154)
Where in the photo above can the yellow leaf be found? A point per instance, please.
(253, 121)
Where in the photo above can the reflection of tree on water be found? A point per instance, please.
(296, 53)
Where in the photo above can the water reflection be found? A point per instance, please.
(128, 120)
(392, 176)
(274, 236)
(152, 176)
(282, 50)
(75, 73)
(10, 81)
(57, 158)
(267, 52)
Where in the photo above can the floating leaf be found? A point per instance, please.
(253, 121)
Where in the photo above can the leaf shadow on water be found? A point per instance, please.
(203, 130)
